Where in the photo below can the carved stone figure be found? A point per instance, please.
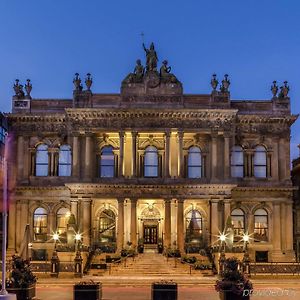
(137, 75)
(274, 88)
(88, 81)
(28, 88)
(151, 58)
(18, 88)
(214, 82)
(165, 73)
(77, 82)
(225, 84)
(138, 71)
(284, 90)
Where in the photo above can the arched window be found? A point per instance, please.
(237, 162)
(261, 225)
(260, 162)
(62, 219)
(193, 226)
(107, 162)
(238, 221)
(64, 161)
(151, 162)
(41, 160)
(40, 224)
(194, 163)
(107, 226)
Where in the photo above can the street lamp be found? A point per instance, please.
(77, 240)
(55, 238)
(246, 239)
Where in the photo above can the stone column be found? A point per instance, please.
(289, 226)
(167, 154)
(274, 162)
(281, 154)
(88, 158)
(12, 227)
(74, 209)
(133, 228)
(18, 225)
(226, 156)
(134, 135)
(180, 228)
(27, 154)
(121, 155)
(20, 157)
(52, 225)
(86, 221)
(283, 222)
(167, 233)
(214, 221)
(214, 157)
(227, 211)
(276, 227)
(75, 157)
(120, 232)
(180, 154)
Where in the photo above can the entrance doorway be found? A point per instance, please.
(150, 234)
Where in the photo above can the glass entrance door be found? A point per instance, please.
(150, 234)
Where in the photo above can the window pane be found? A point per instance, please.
(237, 171)
(260, 172)
(40, 226)
(41, 160)
(194, 172)
(193, 225)
(107, 171)
(107, 162)
(151, 162)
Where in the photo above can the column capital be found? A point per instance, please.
(180, 200)
(180, 134)
(168, 200)
(121, 200)
(167, 134)
(134, 134)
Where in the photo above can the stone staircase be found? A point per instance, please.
(153, 264)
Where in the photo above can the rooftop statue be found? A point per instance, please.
(137, 75)
(18, 88)
(165, 73)
(151, 58)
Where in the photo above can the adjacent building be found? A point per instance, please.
(153, 165)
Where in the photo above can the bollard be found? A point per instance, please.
(78, 265)
(54, 265)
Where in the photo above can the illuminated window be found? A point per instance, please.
(260, 162)
(107, 162)
(237, 162)
(40, 224)
(64, 161)
(261, 225)
(193, 225)
(41, 160)
(238, 221)
(62, 219)
(194, 163)
(107, 226)
(151, 162)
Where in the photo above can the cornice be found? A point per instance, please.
(270, 118)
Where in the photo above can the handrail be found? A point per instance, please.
(122, 258)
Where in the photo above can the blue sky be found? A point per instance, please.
(254, 41)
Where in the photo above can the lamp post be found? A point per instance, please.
(3, 293)
(55, 259)
(222, 257)
(77, 241)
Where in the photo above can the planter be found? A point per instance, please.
(231, 296)
(23, 293)
(164, 291)
(141, 248)
(160, 249)
(88, 291)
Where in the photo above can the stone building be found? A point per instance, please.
(153, 165)
(296, 183)
(3, 130)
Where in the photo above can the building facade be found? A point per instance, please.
(153, 165)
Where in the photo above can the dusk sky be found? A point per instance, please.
(254, 41)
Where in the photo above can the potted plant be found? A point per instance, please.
(160, 247)
(21, 279)
(141, 245)
(87, 290)
(234, 285)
